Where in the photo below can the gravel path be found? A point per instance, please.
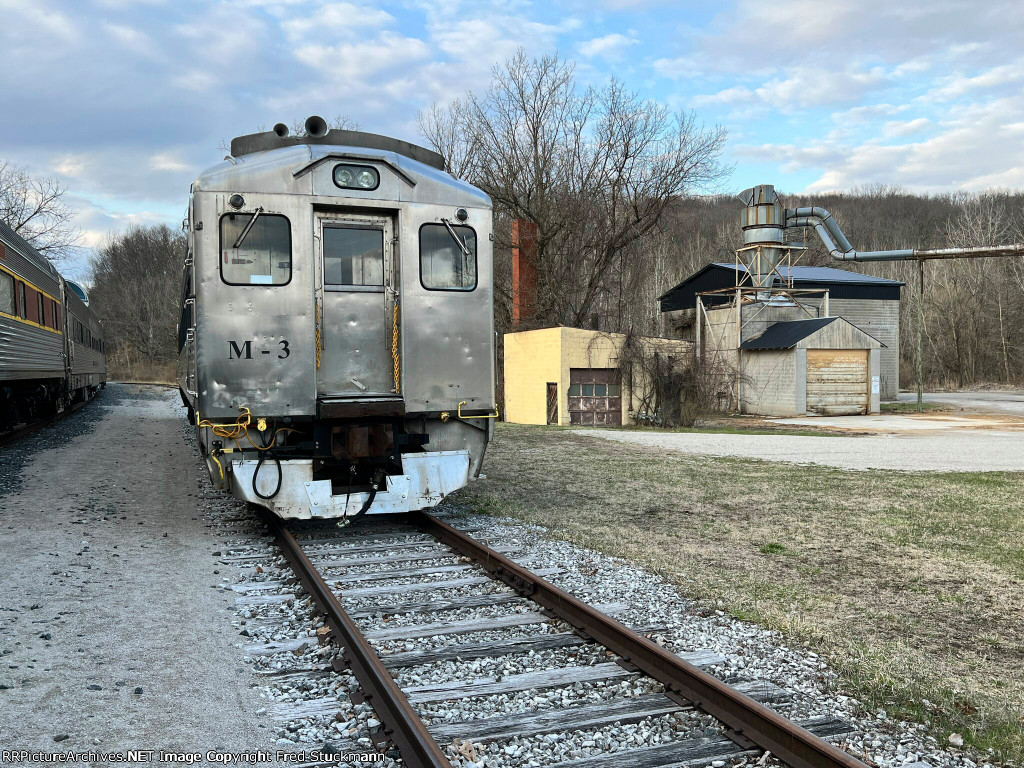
(957, 451)
(111, 636)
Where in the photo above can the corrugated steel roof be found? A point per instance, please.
(785, 335)
(822, 275)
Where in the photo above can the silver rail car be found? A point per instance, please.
(336, 343)
(51, 346)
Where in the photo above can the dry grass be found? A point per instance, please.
(142, 373)
(912, 583)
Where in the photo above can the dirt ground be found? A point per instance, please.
(115, 632)
(911, 582)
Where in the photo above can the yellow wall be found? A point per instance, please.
(533, 358)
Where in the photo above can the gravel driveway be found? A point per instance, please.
(964, 451)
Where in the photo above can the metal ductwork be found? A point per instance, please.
(281, 130)
(839, 246)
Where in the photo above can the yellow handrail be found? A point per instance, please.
(487, 416)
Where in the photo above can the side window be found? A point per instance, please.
(42, 309)
(353, 256)
(56, 315)
(447, 265)
(22, 302)
(6, 293)
(255, 249)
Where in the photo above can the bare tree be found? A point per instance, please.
(135, 292)
(594, 169)
(35, 208)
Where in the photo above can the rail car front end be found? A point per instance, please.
(336, 344)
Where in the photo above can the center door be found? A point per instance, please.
(356, 302)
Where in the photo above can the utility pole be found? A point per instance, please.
(920, 345)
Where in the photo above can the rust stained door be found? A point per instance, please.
(837, 381)
(595, 396)
(552, 403)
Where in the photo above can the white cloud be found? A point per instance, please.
(980, 145)
(132, 39)
(609, 47)
(357, 62)
(167, 161)
(194, 80)
(334, 18)
(960, 85)
(899, 128)
(802, 88)
(679, 67)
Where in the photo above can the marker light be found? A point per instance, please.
(356, 177)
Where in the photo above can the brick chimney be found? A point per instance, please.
(524, 271)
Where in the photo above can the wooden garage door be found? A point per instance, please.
(595, 396)
(837, 381)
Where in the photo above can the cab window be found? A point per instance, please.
(447, 265)
(255, 252)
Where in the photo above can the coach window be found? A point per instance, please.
(354, 256)
(6, 293)
(447, 257)
(256, 249)
(22, 302)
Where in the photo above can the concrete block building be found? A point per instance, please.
(571, 376)
(824, 366)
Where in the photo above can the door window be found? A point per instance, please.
(255, 252)
(353, 256)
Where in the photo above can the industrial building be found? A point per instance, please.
(871, 304)
(572, 376)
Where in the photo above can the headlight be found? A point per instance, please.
(356, 177)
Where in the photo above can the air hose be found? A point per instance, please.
(264, 452)
(256, 473)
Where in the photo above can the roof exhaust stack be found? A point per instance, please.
(281, 130)
(316, 126)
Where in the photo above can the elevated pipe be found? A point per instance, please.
(826, 228)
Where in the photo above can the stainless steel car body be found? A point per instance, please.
(308, 353)
(42, 368)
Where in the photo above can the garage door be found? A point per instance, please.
(595, 396)
(837, 381)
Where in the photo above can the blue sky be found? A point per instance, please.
(127, 100)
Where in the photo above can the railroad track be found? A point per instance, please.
(424, 546)
(24, 430)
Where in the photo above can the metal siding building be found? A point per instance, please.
(868, 302)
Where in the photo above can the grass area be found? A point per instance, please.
(905, 407)
(912, 584)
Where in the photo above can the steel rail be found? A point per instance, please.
(750, 723)
(398, 719)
